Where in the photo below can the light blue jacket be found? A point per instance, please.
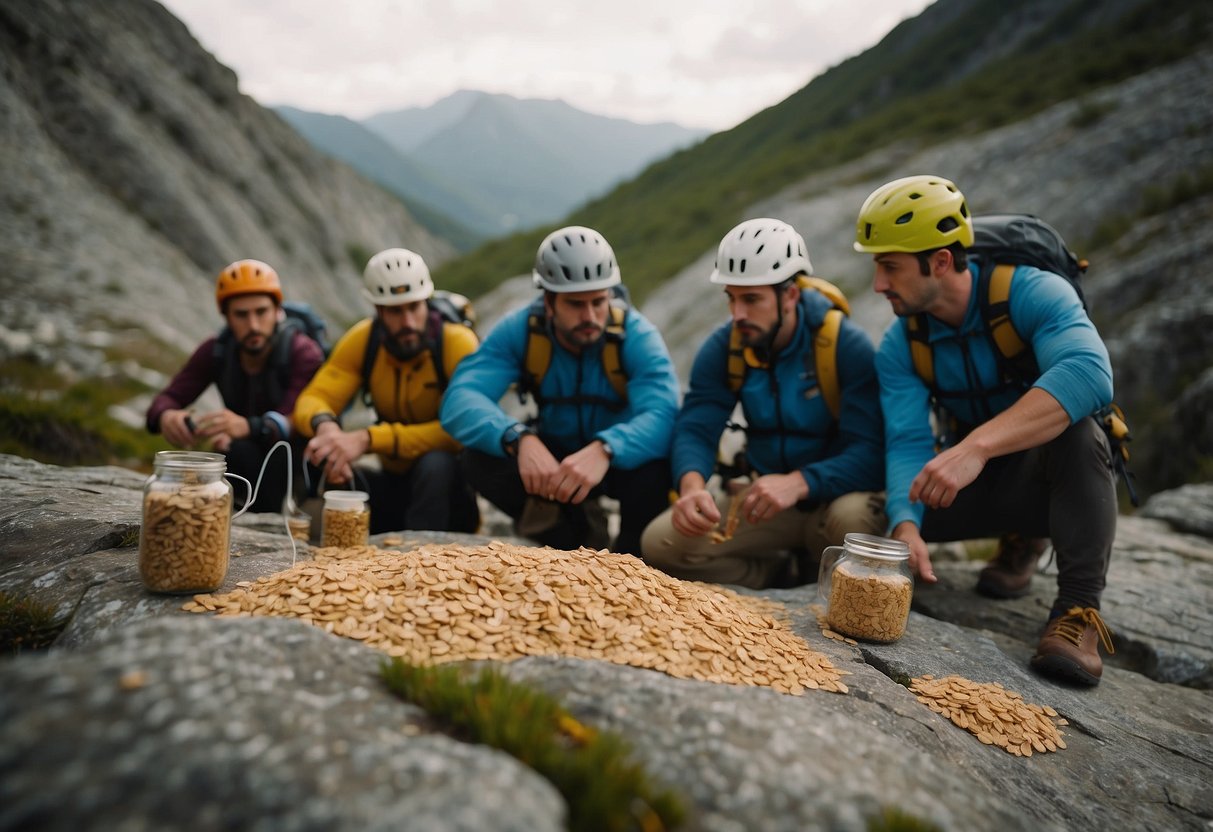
(1047, 314)
(638, 433)
(789, 426)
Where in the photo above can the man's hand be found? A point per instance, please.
(536, 466)
(920, 558)
(578, 474)
(773, 493)
(336, 451)
(695, 512)
(941, 479)
(175, 428)
(222, 422)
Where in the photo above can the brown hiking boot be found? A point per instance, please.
(1069, 648)
(1009, 572)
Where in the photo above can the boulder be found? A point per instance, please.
(143, 716)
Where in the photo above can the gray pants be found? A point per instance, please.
(1064, 490)
(756, 553)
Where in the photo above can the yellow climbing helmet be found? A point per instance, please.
(917, 213)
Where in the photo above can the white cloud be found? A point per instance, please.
(705, 64)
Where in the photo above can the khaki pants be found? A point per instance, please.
(758, 552)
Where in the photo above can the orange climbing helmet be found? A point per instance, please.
(247, 277)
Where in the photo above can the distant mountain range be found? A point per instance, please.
(479, 165)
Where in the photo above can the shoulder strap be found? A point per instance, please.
(920, 348)
(825, 353)
(612, 351)
(994, 293)
(436, 334)
(374, 341)
(538, 354)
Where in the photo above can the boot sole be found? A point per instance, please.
(1059, 667)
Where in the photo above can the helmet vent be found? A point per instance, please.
(730, 264)
(774, 266)
(904, 218)
(587, 272)
(760, 248)
(915, 195)
(567, 274)
(742, 267)
(964, 209)
(600, 270)
(789, 254)
(947, 224)
(867, 231)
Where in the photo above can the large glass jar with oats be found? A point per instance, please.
(346, 520)
(187, 521)
(866, 585)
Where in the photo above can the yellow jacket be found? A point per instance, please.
(405, 394)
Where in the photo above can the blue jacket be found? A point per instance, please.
(637, 434)
(789, 426)
(1047, 314)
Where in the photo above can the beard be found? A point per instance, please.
(256, 343)
(404, 350)
(755, 337)
(582, 335)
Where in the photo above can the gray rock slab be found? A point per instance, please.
(1188, 508)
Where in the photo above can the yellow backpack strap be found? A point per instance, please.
(997, 312)
(826, 288)
(736, 362)
(920, 349)
(612, 351)
(825, 353)
(538, 353)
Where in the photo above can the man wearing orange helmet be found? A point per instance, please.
(260, 362)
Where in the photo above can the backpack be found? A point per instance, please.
(299, 317)
(445, 307)
(538, 355)
(825, 343)
(1002, 242)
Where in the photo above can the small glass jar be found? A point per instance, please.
(867, 587)
(346, 520)
(185, 538)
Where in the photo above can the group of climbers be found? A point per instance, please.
(841, 436)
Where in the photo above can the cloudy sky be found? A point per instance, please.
(701, 63)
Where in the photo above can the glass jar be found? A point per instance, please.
(867, 586)
(346, 520)
(187, 522)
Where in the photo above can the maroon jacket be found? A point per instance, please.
(266, 399)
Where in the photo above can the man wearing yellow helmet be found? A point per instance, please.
(1020, 458)
(259, 362)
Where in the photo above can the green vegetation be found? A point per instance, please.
(69, 424)
(27, 624)
(896, 820)
(917, 88)
(603, 790)
(1155, 200)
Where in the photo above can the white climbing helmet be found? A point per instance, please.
(395, 277)
(760, 252)
(575, 259)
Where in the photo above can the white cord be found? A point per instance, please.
(290, 484)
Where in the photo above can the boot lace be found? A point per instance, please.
(1074, 623)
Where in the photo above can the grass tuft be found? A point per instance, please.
(591, 769)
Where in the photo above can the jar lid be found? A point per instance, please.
(882, 548)
(191, 460)
(345, 499)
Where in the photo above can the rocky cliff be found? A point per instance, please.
(134, 169)
(143, 716)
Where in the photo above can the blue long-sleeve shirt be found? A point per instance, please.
(1047, 314)
(789, 426)
(638, 433)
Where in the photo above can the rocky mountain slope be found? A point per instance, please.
(134, 169)
(147, 717)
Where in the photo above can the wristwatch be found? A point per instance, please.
(513, 435)
(607, 449)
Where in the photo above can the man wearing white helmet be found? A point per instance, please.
(815, 473)
(606, 394)
(409, 349)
